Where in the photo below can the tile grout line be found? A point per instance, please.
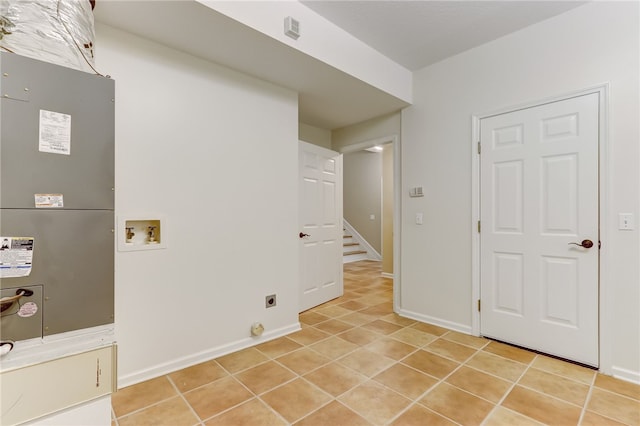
(113, 417)
(184, 399)
(298, 376)
(370, 289)
(399, 361)
(301, 377)
(508, 392)
(331, 399)
(367, 378)
(416, 400)
(146, 406)
(552, 396)
(612, 393)
(232, 376)
(588, 398)
(254, 394)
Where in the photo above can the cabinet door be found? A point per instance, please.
(37, 390)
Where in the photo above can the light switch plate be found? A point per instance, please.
(416, 191)
(626, 222)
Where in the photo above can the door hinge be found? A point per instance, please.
(478, 227)
(478, 305)
(479, 149)
(599, 245)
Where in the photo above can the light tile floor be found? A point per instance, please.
(355, 362)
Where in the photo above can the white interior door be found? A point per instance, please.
(539, 196)
(320, 186)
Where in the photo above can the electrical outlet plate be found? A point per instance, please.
(270, 301)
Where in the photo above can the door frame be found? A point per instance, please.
(605, 302)
(394, 140)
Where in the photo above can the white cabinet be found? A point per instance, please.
(37, 390)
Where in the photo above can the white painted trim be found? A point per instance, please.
(606, 305)
(203, 356)
(397, 222)
(372, 254)
(360, 146)
(475, 217)
(387, 275)
(462, 328)
(38, 350)
(626, 375)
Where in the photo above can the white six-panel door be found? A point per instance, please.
(539, 196)
(320, 186)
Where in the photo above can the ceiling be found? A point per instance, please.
(418, 33)
(412, 33)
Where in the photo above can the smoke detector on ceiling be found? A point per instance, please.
(291, 27)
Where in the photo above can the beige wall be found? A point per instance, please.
(314, 135)
(376, 128)
(363, 194)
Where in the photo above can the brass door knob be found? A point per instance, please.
(584, 243)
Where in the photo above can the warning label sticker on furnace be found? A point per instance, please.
(16, 256)
(55, 132)
(49, 201)
(27, 310)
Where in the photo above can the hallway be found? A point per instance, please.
(357, 363)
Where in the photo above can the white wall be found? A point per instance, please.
(592, 44)
(322, 40)
(196, 142)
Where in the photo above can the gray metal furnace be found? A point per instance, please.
(56, 199)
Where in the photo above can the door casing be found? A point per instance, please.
(394, 140)
(605, 298)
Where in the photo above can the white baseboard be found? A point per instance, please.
(626, 375)
(617, 372)
(462, 328)
(203, 356)
(372, 254)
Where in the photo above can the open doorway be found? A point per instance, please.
(389, 205)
